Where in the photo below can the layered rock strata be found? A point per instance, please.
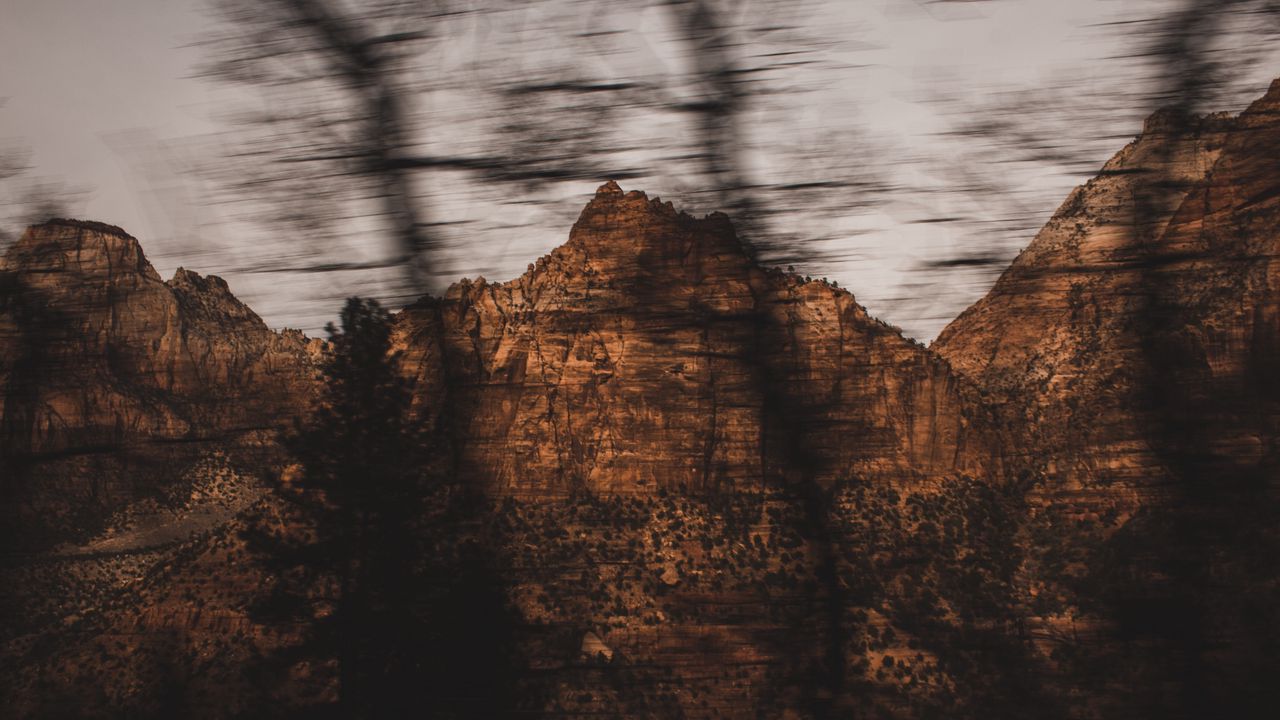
(1131, 352)
(1066, 508)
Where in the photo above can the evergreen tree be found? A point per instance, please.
(360, 485)
(417, 617)
(360, 448)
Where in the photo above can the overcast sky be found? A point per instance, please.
(104, 95)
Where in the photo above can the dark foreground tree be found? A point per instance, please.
(347, 563)
(359, 447)
(392, 576)
(361, 462)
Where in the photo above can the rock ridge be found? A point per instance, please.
(651, 350)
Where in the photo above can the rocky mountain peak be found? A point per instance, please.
(210, 298)
(1264, 111)
(611, 207)
(189, 279)
(632, 358)
(630, 236)
(709, 475)
(1272, 95)
(94, 226)
(1175, 233)
(83, 248)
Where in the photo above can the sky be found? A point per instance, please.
(107, 99)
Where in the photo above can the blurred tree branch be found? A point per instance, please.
(381, 111)
(26, 199)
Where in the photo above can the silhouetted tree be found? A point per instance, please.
(395, 578)
(360, 483)
(359, 447)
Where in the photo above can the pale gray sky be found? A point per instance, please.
(104, 95)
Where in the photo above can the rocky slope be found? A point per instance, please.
(1147, 300)
(113, 381)
(648, 356)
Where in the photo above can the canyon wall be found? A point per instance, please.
(1131, 353)
(1142, 318)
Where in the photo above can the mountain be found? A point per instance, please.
(650, 351)
(711, 488)
(1146, 301)
(112, 381)
(1130, 352)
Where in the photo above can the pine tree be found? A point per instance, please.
(360, 485)
(418, 621)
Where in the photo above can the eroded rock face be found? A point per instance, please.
(649, 351)
(112, 380)
(1131, 353)
(652, 351)
(1054, 343)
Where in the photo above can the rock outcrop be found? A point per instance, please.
(651, 351)
(112, 381)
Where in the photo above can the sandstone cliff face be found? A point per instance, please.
(1130, 353)
(648, 353)
(1056, 344)
(112, 380)
(651, 351)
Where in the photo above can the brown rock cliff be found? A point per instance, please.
(113, 380)
(652, 351)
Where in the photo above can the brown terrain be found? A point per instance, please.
(712, 489)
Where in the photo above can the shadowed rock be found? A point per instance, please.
(112, 381)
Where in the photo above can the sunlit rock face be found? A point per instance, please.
(648, 352)
(112, 380)
(651, 351)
